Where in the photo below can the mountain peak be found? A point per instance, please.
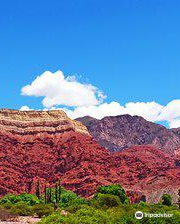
(119, 132)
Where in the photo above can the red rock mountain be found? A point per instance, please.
(120, 132)
(48, 145)
(176, 131)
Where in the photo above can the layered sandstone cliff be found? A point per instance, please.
(38, 122)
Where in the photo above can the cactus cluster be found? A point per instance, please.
(48, 193)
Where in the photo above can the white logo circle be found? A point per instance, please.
(139, 215)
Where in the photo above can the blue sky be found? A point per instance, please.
(128, 49)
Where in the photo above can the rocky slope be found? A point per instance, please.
(33, 145)
(120, 132)
(176, 131)
(148, 170)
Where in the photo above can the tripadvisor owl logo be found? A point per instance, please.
(139, 215)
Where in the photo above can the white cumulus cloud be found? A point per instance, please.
(58, 90)
(25, 108)
(150, 110)
(175, 123)
(170, 111)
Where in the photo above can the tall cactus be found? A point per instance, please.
(179, 198)
(56, 193)
(59, 190)
(38, 189)
(47, 200)
(50, 195)
(45, 193)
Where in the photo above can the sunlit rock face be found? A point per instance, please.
(46, 145)
(38, 122)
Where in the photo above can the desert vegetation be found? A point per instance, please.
(108, 205)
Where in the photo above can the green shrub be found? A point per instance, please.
(142, 204)
(29, 199)
(7, 205)
(106, 201)
(73, 208)
(43, 209)
(69, 198)
(116, 190)
(54, 218)
(10, 198)
(167, 200)
(82, 216)
(123, 214)
(21, 208)
(89, 216)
